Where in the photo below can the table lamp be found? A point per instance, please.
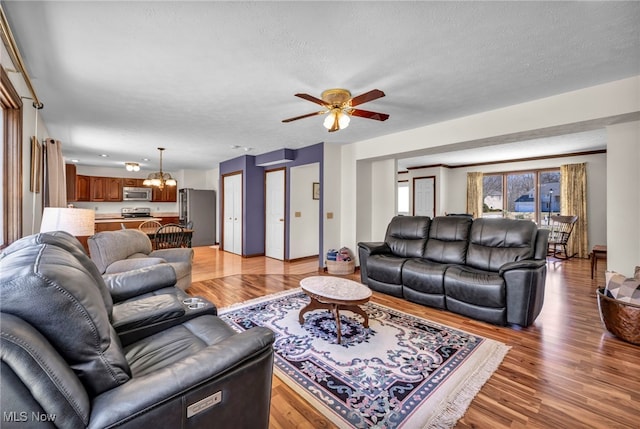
(77, 222)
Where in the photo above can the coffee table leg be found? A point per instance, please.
(361, 312)
(336, 314)
(314, 304)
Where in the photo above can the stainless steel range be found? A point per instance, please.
(132, 212)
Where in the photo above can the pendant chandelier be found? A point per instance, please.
(159, 179)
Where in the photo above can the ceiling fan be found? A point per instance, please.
(339, 107)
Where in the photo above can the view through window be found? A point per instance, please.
(532, 195)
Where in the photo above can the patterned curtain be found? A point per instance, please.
(573, 202)
(474, 194)
(54, 181)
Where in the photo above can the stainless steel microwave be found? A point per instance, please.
(136, 194)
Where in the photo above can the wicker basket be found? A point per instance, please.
(620, 318)
(341, 267)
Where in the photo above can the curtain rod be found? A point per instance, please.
(14, 53)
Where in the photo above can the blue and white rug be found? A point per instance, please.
(401, 372)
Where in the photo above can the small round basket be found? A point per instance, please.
(620, 318)
(341, 267)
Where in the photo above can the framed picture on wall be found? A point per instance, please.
(36, 165)
(316, 190)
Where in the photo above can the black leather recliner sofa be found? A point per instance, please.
(487, 269)
(63, 364)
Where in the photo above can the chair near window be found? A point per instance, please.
(170, 236)
(560, 231)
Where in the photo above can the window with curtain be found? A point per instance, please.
(532, 195)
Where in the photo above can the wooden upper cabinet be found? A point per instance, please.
(106, 188)
(77, 185)
(132, 183)
(113, 189)
(83, 187)
(169, 194)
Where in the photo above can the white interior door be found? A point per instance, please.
(274, 214)
(424, 196)
(232, 234)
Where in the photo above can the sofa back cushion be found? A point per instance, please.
(407, 235)
(494, 242)
(71, 244)
(48, 288)
(448, 239)
(109, 246)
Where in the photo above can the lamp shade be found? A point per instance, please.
(78, 222)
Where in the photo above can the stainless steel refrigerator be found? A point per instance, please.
(197, 209)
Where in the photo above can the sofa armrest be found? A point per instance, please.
(128, 284)
(179, 385)
(373, 248)
(181, 254)
(147, 311)
(524, 264)
(524, 288)
(125, 265)
(366, 249)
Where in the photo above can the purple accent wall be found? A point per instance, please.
(253, 203)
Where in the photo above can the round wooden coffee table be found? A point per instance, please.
(335, 294)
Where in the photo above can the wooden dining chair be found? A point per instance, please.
(150, 224)
(169, 236)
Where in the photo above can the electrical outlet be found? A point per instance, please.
(298, 214)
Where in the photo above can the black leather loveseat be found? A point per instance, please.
(63, 363)
(488, 269)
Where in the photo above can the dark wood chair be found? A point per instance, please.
(560, 231)
(170, 236)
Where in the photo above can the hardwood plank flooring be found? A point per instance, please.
(565, 371)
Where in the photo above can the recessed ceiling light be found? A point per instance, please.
(104, 155)
(75, 160)
(145, 159)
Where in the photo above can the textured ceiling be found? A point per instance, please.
(197, 78)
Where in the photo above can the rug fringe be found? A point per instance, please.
(448, 413)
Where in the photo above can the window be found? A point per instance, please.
(532, 195)
(403, 198)
(11, 160)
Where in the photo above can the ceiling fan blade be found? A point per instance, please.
(369, 115)
(313, 99)
(374, 94)
(308, 115)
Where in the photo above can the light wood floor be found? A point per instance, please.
(565, 371)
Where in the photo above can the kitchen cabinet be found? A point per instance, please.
(132, 183)
(169, 194)
(77, 185)
(105, 188)
(83, 185)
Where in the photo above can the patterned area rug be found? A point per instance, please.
(401, 372)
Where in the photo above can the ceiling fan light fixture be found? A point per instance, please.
(337, 119)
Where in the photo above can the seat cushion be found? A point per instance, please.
(476, 293)
(176, 343)
(386, 268)
(423, 282)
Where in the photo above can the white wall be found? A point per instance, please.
(589, 108)
(623, 197)
(384, 194)
(304, 234)
(332, 185)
